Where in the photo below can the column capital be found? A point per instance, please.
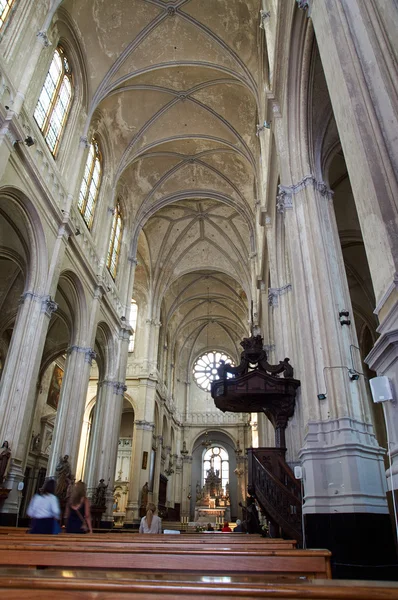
(90, 354)
(145, 425)
(274, 293)
(284, 199)
(83, 142)
(48, 306)
(119, 388)
(43, 38)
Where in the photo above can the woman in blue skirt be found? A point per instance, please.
(44, 510)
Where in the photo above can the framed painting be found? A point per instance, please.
(55, 387)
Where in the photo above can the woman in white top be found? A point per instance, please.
(44, 510)
(151, 523)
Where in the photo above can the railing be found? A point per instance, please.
(276, 490)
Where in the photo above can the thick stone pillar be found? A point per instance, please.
(69, 419)
(358, 61)
(159, 460)
(18, 384)
(139, 476)
(344, 481)
(103, 449)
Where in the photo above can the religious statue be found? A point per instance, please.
(5, 455)
(64, 477)
(198, 493)
(144, 495)
(99, 498)
(36, 442)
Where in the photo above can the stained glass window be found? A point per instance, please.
(133, 323)
(205, 368)
(216, 458)
(55, 100)
(115, 241)
(91, 183)
(5, 9)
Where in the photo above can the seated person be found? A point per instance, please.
(238, 528)
(226, 528)
(209, 527)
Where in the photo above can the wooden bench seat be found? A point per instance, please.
(309, 563)
(83, 585)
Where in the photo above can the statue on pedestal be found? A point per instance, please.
(64, 478)
(99, 498)
(5, 456)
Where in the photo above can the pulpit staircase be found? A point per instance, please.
(278, 493)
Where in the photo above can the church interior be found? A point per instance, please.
(199, 268)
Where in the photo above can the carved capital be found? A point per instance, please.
(145, 425)
(274, 293)
(48, 306)
(264, 15)
(119, 388)
(303, 4)
(43, 38)
(89, 353)
(84, 142)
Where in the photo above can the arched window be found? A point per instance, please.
(5, 10)
(55, 99)
(115, 241)
(91, 183)
(205, 368)
(216, 458)
(133, 322)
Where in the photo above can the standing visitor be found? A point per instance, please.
(78, 514)
(44, 510)
(151, 523)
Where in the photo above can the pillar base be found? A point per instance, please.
(362, 544)
(343, 468)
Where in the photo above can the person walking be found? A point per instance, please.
(78, 514)
(151, 523)
(44, 510)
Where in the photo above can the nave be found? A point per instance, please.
(178, 178)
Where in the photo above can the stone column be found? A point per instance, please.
(355, 41)
(70, 413)
(157, 468)
(142, 442)
(18, 384)
(186, 486)
(106, 429)
(340, 446)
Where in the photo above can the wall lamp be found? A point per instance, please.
(353, 375)
(343, 316)
(29, 141)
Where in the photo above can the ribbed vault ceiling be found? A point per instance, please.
(175, 87)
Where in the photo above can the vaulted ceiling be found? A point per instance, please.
(176, 87)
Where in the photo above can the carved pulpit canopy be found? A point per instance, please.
(256, 386)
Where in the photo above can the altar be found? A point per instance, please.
(212, 501)
(215, 516)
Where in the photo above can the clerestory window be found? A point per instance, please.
(5, 11)
(91, 183)
(115, 241)
(55, 100)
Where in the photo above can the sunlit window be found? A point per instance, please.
(205, 368)
(90, 185)
(133, 322)
(5, 9)
(216, 458)
(115, 241)
(55, 100)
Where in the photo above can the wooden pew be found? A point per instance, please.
(143, 545)
(308, 563)
(244, 541)
(80, 585)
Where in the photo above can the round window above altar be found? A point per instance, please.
(205, 368)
